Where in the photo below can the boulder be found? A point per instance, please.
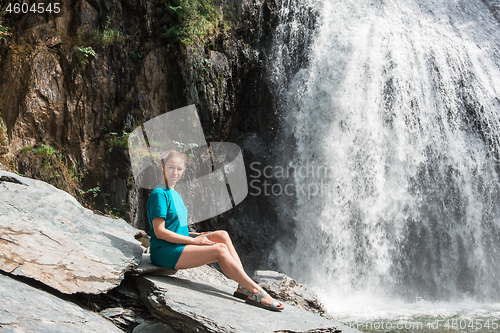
(25, 309)
(45, 234)
(286, 289)
(201, 300)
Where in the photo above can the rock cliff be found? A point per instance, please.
(74, 84)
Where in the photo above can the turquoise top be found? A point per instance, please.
(167, 203)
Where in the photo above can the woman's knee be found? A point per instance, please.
(221, 249)
(224, 235)
(220, 236)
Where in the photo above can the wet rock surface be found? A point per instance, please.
(45, 234)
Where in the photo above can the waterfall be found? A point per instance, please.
(395, 119)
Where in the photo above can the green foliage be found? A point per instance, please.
(110, 33)
(27, 148)
(44, 155)
(93, 191)
(3, 10)
(84, 55)
(74, 176)
(187, 20)
(44, 151)
(136, 55)
(4, 31)
(108, 36)
(116, 140)
(45, 163)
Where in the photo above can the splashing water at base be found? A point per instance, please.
(370, 313)
(399, 107)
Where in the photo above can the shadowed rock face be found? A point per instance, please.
(45, 234)
(27, 309)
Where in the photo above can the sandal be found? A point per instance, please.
(256, 298)
(241, 295)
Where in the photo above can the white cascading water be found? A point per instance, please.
(400, 103)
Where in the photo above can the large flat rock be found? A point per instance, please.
(45, 234)
(200, 300)
(27, 309)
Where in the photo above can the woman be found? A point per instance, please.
(172, 247)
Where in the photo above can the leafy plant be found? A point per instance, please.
(4, 31)
(117, 140)
(108, 36)
(93, 191)
(45, 151)
(26, 148)
(110, 33)
(3, 10)
(136, 55)
(43, 162)
(85, 54)
(187, 20)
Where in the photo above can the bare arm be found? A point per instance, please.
(163, 233)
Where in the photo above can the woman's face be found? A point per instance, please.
(174, 168)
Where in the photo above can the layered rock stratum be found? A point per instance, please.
(45, 234)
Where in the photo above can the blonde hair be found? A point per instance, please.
(172, 154)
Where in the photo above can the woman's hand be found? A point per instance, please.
(162, 233)
(202, 240)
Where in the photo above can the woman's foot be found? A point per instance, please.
(262, 299)
(239, 293)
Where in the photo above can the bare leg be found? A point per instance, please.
(199, 255)
(221, 236)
